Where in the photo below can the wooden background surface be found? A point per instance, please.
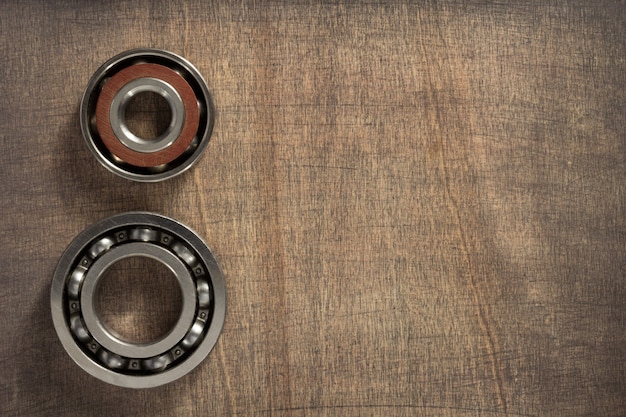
(419, 208)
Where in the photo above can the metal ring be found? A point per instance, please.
(114, 343)
(103, 123)
(117, 114)
(105, 355)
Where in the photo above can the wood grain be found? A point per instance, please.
(419, 208)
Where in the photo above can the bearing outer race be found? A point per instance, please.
(81, 244)
(190, 126)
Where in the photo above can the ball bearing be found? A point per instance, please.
(105, 355)
(103, 110)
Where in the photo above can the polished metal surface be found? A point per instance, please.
(117, 114)
(102, 353)
(111, 341)
(146, 173)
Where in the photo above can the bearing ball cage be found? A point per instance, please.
(114, 163)
(174, 361)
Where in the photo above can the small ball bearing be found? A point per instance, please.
(105, 355)
(104, 104)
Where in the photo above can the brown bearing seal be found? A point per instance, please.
(190, 124)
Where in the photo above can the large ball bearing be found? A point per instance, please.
(103, 114)
(102, 353)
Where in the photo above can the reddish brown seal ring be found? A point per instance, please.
(190, 124)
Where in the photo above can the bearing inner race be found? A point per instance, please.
(115, 344)
(117, 114)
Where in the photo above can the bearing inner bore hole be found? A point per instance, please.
(138, 300)
(148, 115)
